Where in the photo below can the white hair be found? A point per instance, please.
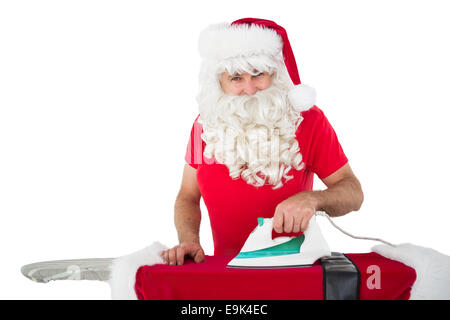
(253, 135)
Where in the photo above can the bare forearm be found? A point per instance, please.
(341, 198)
(187, 220)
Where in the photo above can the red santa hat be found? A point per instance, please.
(260, 42)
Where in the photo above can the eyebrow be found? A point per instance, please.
(234, 75)
(239, 74)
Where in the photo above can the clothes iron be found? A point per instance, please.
(261, 251)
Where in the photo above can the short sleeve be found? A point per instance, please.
(195, 147)
(319, 145)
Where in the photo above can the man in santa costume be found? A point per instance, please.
(253, 152)
(256, 144)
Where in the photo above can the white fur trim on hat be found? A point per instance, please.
(123, 270)
(302, 97)
(223, 41)
(432, 269)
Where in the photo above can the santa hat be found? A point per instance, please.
(260, 42)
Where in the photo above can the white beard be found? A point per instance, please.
(254, 135)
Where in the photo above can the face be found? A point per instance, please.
(245, 83)
(250, 127)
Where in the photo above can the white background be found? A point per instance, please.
(97, 99)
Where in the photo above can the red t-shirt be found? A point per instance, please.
(234, 205)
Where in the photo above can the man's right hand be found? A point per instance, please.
(176, 255)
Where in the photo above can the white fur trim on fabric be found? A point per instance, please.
(432, 269)
(302, 97)
(123, 270)
(222, 41)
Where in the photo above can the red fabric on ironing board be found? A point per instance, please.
(211, 280)
(234, 206)
(395, 278)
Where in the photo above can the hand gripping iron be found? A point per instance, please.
(261, 251)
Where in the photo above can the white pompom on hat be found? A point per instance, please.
(250, 38)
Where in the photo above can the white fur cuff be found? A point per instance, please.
(123, 270)
(432, 269)
(223, 41)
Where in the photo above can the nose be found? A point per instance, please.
(249, 87)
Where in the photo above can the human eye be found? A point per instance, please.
(235, 78)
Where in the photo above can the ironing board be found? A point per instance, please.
(380, 278)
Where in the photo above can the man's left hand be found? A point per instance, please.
(294, 213)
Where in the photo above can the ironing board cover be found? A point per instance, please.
(212, 280)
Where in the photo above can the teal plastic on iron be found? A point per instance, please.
(260, 221)
(290, 247)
